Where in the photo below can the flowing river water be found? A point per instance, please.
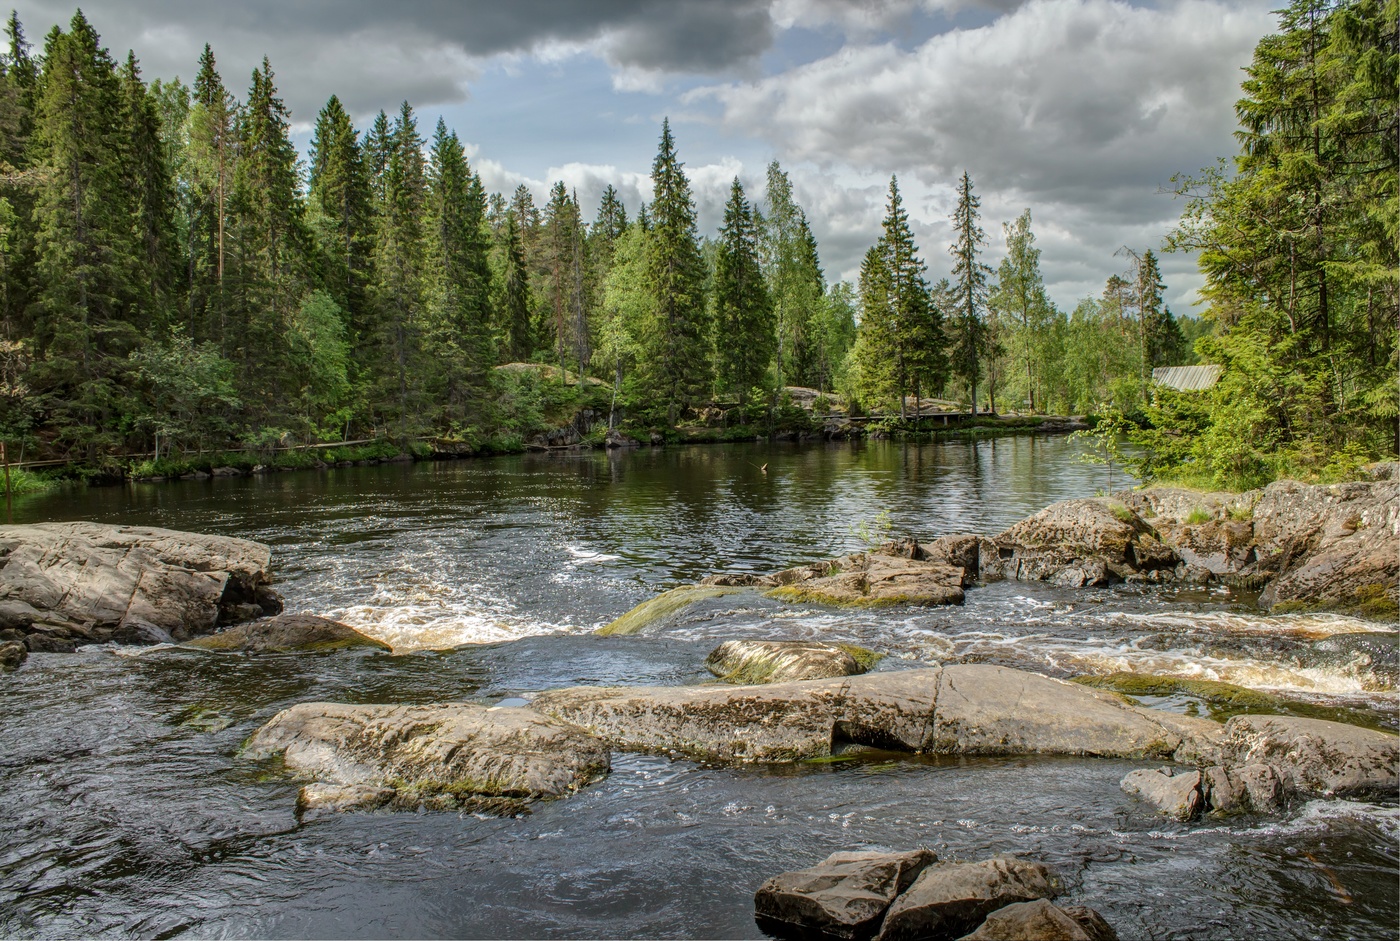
(125, 809)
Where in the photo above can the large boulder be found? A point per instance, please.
(1310, 757)
(12, 655)
(1334, 547)
(64, 584)
(288, 632)
(844, 896)
(450, 755)
(1039, 920)
(949, 900)
(970, 709)
(897, 573)
(780, 661)
(1077, 543)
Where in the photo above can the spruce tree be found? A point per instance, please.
(794, 276)
(678, 365)
(745, 334)
(149, 185)
(87, 257)
(213, 158)
(970, 289)
(1020, 297)
(340, 189)
(517, 326)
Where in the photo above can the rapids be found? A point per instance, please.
(127, 810)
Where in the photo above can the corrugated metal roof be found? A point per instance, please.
(1187, 378)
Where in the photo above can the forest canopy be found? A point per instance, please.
(176, 277)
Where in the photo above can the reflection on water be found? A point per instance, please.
(127, 810)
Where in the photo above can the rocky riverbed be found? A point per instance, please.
(357, 751)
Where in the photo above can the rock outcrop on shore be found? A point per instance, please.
(447, 756)
(1324, 547)
(67, 584)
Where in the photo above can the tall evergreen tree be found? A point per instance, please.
(339, 188)
(87, 258)
(745, 334)
(148, 183)
(676, 347)
(213, 134)
(794, 276)
(1020, 298)
(970, 289)
(517, 326)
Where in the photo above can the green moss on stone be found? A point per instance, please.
(662, 606)
(1225, 700)
(866, 659)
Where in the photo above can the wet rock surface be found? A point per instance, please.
(1077, 543)
(971, 709)
(12, 654)
(287, 633)
(1178, 795)
(779, 661)
(1312, 757)
(1039, 920)
(948, 900)
(449, 756)
(897, 573)
(67, 584)
(844, 896)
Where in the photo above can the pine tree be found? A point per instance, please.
(970, 292)
(399, 265)
(458, 336)
(745, 334)
(87, 257)
(676, 347)
(340, 190)
(213, 157)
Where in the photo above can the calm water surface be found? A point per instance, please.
(127, 811)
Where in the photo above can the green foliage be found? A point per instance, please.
(744, 324)
(1198, 515)
(188, 396)
(874, 532)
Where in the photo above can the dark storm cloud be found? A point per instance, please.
(373, 53)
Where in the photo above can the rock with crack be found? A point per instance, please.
(964, 709)
(1178, 795)
(779, 661)
(453, 755)
(949, 900)
(844, 896)
(66, 584)
(287, 633)
(1039, 920)
(1077, 543)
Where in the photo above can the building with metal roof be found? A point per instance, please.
(1187, 378)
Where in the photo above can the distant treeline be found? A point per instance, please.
(173, 276)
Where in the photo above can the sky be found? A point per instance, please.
(1079, 110)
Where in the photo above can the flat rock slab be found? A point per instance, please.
(1039, 920)
(897, 573)
(286, 633)
(844, 896)
(1311, 757)
(949, 900)
(965, 709)
(454, 752)
(778, 661)
(1178, 795)
(83, 582)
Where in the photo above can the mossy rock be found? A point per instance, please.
(662, 606)
(1225, 700)
(288, 633)
(752, 662)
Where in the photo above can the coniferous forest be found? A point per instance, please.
(176, 278)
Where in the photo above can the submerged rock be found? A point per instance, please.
(1176, 795)
(1077, 543)
(65, 584)
(288, 632)
(448, 755)
(971, 709)
(12, 654)
(949, 900)
(1039, 920)
(665, 605)
(844, 896)
(778, 661)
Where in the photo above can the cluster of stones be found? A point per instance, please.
(855, 896)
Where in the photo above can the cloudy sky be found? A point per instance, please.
(1080, 110)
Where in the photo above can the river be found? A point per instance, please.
(127, 811)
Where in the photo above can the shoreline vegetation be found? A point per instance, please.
(177, 279)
